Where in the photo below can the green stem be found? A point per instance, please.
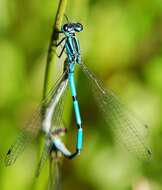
(48, 70)
(52, 46)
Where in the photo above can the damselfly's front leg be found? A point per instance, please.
(59, 43)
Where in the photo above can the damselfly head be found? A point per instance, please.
(72, 28)
(59, 132)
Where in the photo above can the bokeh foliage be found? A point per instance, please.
(122, 44)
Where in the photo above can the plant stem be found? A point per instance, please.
(52, 46)
(48, 70)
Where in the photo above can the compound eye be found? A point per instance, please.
(70, 27)
(78, 27)
(65, 27)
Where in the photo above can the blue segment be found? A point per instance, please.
(77, 112)
(72, 85)
(75, 103)
(79, 138)
(71, 69)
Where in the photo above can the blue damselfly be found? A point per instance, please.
(127, 127)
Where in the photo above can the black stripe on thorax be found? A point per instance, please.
(69, 46)
(74, 41)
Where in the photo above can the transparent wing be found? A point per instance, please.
(33, 128)
(58, 114)
(57, 123)
(25, 137)
(44, 157)
(55, 176)
(126, 126)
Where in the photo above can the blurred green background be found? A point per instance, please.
(122, 44)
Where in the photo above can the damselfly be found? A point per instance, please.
(126, 126)
(53, 107)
